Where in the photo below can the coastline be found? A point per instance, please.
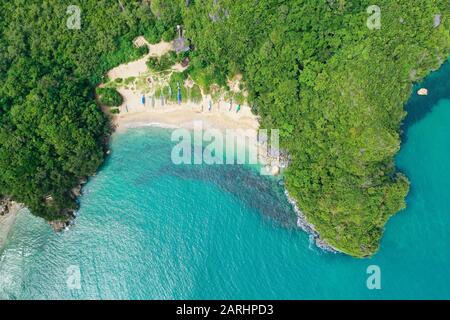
(186, 115)
(7, 219)
(309, 228)
(221, 115)
(134, 112)
(183, 116)
(140, 110)
(190, 117)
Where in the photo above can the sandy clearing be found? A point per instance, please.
(138, 67)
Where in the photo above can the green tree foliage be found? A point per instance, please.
(335, 89)
(109, 97)
(50, 138)
(195, 94)
(52, 133)
(313, 69)
(163, 63)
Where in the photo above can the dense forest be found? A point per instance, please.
(316, 70)
(52, 132)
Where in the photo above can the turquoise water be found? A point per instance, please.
(148, 229)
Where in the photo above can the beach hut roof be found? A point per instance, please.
(180, 45)
(437, 20)
(185, 62)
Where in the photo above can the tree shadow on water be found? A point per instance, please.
(262, 194)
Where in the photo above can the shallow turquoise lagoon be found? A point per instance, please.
(148, 229)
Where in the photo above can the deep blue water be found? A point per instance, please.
(148, 229)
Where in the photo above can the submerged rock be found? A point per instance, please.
(67, 219)
(59, 225)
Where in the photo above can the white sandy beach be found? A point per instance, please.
(222, 115)
(219, 113)
(183, 116)
(7, 222)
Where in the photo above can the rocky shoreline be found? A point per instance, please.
(5, 205)
(69, 214)
(309, 228)
(279, 159)
(9, 210)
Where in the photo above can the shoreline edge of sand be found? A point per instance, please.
(8, 219)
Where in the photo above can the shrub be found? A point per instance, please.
(196, 94)
(169, 35)
(163, 63)
(109, 97)
(239, 98)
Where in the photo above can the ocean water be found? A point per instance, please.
(148, 229)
